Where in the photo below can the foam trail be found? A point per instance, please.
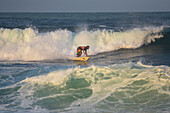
(29, 44)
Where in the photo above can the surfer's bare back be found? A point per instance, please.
(82, 48)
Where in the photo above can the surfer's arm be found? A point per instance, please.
(86, 52)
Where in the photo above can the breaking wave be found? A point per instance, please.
(28, 44)
(128, 87)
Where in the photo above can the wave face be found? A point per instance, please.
(28, 44)
(120, 88)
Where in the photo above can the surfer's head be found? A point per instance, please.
(87, 47)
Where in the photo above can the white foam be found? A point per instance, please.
(103, 81)
(29, 86)
(120, 78)
(55, 78)
(29, 44)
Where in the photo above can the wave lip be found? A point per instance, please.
(29, 44)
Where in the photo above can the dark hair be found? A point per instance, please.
(87, 46)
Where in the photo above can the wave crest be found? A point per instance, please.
(29, 44)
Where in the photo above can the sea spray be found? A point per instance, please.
(29, 44)
(39, 46)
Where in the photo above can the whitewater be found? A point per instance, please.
(29, 45)
(128, 70)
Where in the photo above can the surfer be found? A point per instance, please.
(82, 48)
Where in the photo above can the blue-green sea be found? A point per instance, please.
(128, 70)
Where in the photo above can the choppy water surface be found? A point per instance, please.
(128, 70)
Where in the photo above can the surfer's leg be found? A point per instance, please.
(79, 54)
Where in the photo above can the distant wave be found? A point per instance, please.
(29, 44)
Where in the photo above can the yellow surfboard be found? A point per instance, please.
(81, 58)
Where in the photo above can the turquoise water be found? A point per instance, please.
(125, 87)
(128, 70)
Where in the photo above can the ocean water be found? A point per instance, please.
(128, 70)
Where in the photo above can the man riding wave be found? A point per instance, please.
(82, 48)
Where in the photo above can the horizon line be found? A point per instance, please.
(83, 11)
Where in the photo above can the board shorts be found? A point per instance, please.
(79, 52)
